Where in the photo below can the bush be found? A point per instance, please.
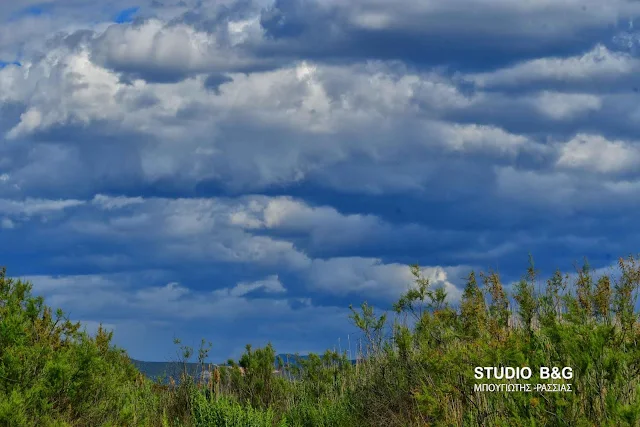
(52, 373)
(226, 412)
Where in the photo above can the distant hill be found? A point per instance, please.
(164, 370)
(156, 370)
(160, 370)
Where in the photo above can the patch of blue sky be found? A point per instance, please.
(126, 15)
(4, 64)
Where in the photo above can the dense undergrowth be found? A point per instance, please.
(418, 368)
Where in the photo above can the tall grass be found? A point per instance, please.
(415, 368)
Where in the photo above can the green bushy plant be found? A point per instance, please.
(53, 373)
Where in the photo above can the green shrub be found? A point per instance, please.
(323, 414)
(226, 412)
(52, 373)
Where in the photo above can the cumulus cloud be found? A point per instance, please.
(270, 284)
(323, 105)
(145, 315)
(593, 152)
(562, 106)
(30, 207)
(116, 202)
(324, 224)
(156, 51)
(598, 69)
(116, 296)
(28, 24)
(224, 231)
(362, 276)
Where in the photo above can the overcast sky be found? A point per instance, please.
(242, 171)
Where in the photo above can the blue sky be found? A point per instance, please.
(242, 171)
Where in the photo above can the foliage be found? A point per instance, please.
(226, 412)
(416, 368)
(52, 373)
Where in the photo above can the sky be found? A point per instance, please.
(243, 170)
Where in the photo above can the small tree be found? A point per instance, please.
(371, 325)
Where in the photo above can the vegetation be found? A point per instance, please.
(418, 369)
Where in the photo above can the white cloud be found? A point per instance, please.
(270, 285)
(78, 92)
(119, 297)
(563, 106)
(202, 231)
(154, 47)
(483, 138)
(30, 207)
(117, 202)
(290, 215)
(557, 190)
(127, 296)
(371, 277)
(596, 67)
(563, 193)
(162, 295)
(596, 153)
(313, 116)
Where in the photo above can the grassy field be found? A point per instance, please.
(418, 369)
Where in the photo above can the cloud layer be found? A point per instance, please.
(260, 165)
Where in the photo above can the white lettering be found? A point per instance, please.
(544, 372)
